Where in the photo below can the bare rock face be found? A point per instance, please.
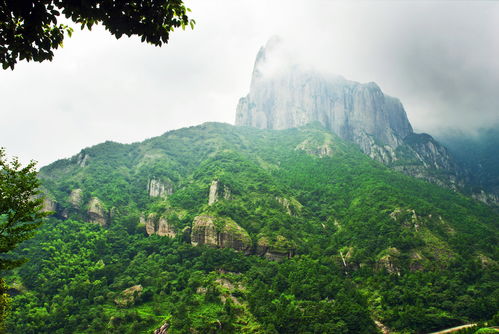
(158, 188)
(292, 206)
(128, 296)
(212, 197)
(219, 232)
(389, 261)
(163, 329)
(75, 198)
(49, 205)
(489, 199)
(275, 250)
(159, 225)
(317, 147)
(293, 96)
(96, 212)
(217, 192)
(82, 159)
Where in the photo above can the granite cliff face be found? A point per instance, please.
(293, 96)
(155, 224)
(96, 212)
(220, 233)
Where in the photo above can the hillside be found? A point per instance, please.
(284, 94)
(217, 228)
(480, 155)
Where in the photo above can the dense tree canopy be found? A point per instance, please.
(30, 30)
(368, 243)
(20, 213)
(20, 209)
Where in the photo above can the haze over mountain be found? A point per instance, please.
(299, 219)
(285, 94)
(217, 228)
(437, 57)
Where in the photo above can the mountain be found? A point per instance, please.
(480, 155)
(283, 97)
(218, 228)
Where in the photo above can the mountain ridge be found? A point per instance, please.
(219, 228)
(293, 96)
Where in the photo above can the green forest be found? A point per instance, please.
(224, 229)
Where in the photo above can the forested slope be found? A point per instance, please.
(229, 229)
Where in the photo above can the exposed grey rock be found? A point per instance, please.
(275, 250)
(163, 329)
(158, 188)
(319, 148)
(292, 206)
(129, 296)
(219, 232)
(96, 212)
(294, 96)
(159, 225)
(389, 261)
(486, 198)
(215, 192)
(212, 197)
(49, 205)
(75, 198)
(82, 159)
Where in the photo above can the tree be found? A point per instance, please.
(20, 213)
(29, 29)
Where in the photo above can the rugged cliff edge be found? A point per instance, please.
(361, 113)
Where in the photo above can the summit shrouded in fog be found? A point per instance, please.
(287, 96)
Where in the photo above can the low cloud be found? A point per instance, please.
(440, 58)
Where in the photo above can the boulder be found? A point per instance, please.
(219, 232)
(76, 198)
(96, 212)
(276, 250)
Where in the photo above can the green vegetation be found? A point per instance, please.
(20, 214)
(365, 243)
(30, 30)
(479, 154)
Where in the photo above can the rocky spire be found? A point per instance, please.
(287, 96)
(284, 95)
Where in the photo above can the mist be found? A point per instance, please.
(441, 59)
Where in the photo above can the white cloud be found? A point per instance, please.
(439, 58)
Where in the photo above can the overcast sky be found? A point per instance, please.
(440, 58)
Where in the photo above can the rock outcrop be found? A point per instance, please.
(389, 261)
(276, 250)
(76, 198)
(219, 232)
(96, 212)
(158, 188)
(82, 159)
(489, 199)
(218, 191)
(129, 296)
(315, 147)
(295, 97)
(361, 113)
(163, 329)
(159, 225)
(49, 205)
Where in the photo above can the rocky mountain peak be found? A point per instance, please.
(289, 95)
(284, 94)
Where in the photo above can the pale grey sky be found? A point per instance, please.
(440, 58)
